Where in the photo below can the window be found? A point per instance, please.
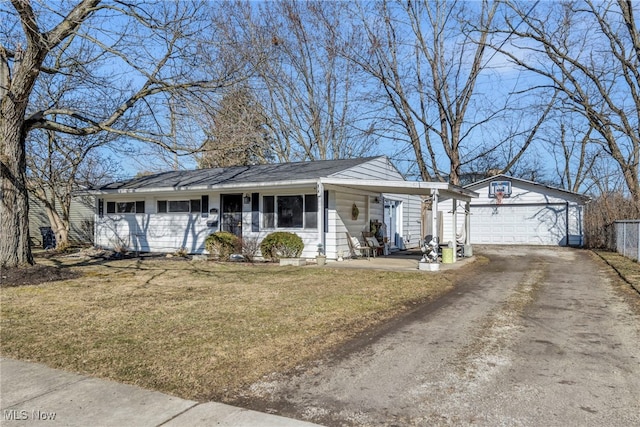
(125, 207)
(179, 206)
(290, 211)
(310, 211)
(268, 212)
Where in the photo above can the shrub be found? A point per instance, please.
(222, 244)
(250, 247)
(281, 245)
(182, 252)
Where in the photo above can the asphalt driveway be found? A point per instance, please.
(536, 337)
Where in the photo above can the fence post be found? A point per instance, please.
(624, 239)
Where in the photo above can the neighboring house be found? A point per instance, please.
(320, 201)
(81, 216)
(513, 211)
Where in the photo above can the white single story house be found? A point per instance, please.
(514, 211)
(321, 201)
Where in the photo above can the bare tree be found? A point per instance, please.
(308, 91)
(60, 165)
(576, 153)
(146, 50)
(589, 52)
(428, 58)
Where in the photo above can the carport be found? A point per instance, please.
(429, 193)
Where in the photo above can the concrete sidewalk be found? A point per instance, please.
(35, 395)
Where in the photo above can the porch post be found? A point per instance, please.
(455, 228)
(467, 223)
(321, 233)
(434, 216)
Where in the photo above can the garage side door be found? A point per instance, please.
(518, 225)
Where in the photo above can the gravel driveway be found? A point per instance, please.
(536, 337)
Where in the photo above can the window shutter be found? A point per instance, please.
(204, 205)
(140, 206)
(255, 212)
(100, 208)
(326, 211)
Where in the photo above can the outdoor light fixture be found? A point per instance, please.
(247, 199)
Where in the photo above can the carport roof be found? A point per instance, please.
(418, 188)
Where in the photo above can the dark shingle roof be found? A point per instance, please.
(239, 174)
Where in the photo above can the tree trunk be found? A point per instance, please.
(15, 248)
(60, 226)
(14, 205)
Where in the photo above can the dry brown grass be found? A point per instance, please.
(627, 268)
(198, 330)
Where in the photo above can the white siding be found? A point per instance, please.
(341, 221)
(533, 215)
(152, 232)
(168, 232)
(378, 168)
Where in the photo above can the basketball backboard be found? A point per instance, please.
(503, 187)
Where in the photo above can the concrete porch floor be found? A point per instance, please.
(398, 261)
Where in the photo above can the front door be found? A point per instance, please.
(232, 213)
(393, 222)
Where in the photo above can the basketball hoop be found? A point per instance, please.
(499, 197)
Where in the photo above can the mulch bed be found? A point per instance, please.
(34, 275)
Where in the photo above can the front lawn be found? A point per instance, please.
(198, 330)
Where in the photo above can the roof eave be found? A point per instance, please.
(211, 187)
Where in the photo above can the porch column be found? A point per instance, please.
(321, 234)
(434, 215)
(455, 228)
(467, 223)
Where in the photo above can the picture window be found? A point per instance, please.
(179, 206)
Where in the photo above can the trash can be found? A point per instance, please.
(48, 238)
(447, 255)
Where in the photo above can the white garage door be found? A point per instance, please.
(518, 225)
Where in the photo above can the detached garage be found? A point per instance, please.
(513, 211)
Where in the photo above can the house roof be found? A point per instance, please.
(198, 178)
(566, 193)
(325, 172)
